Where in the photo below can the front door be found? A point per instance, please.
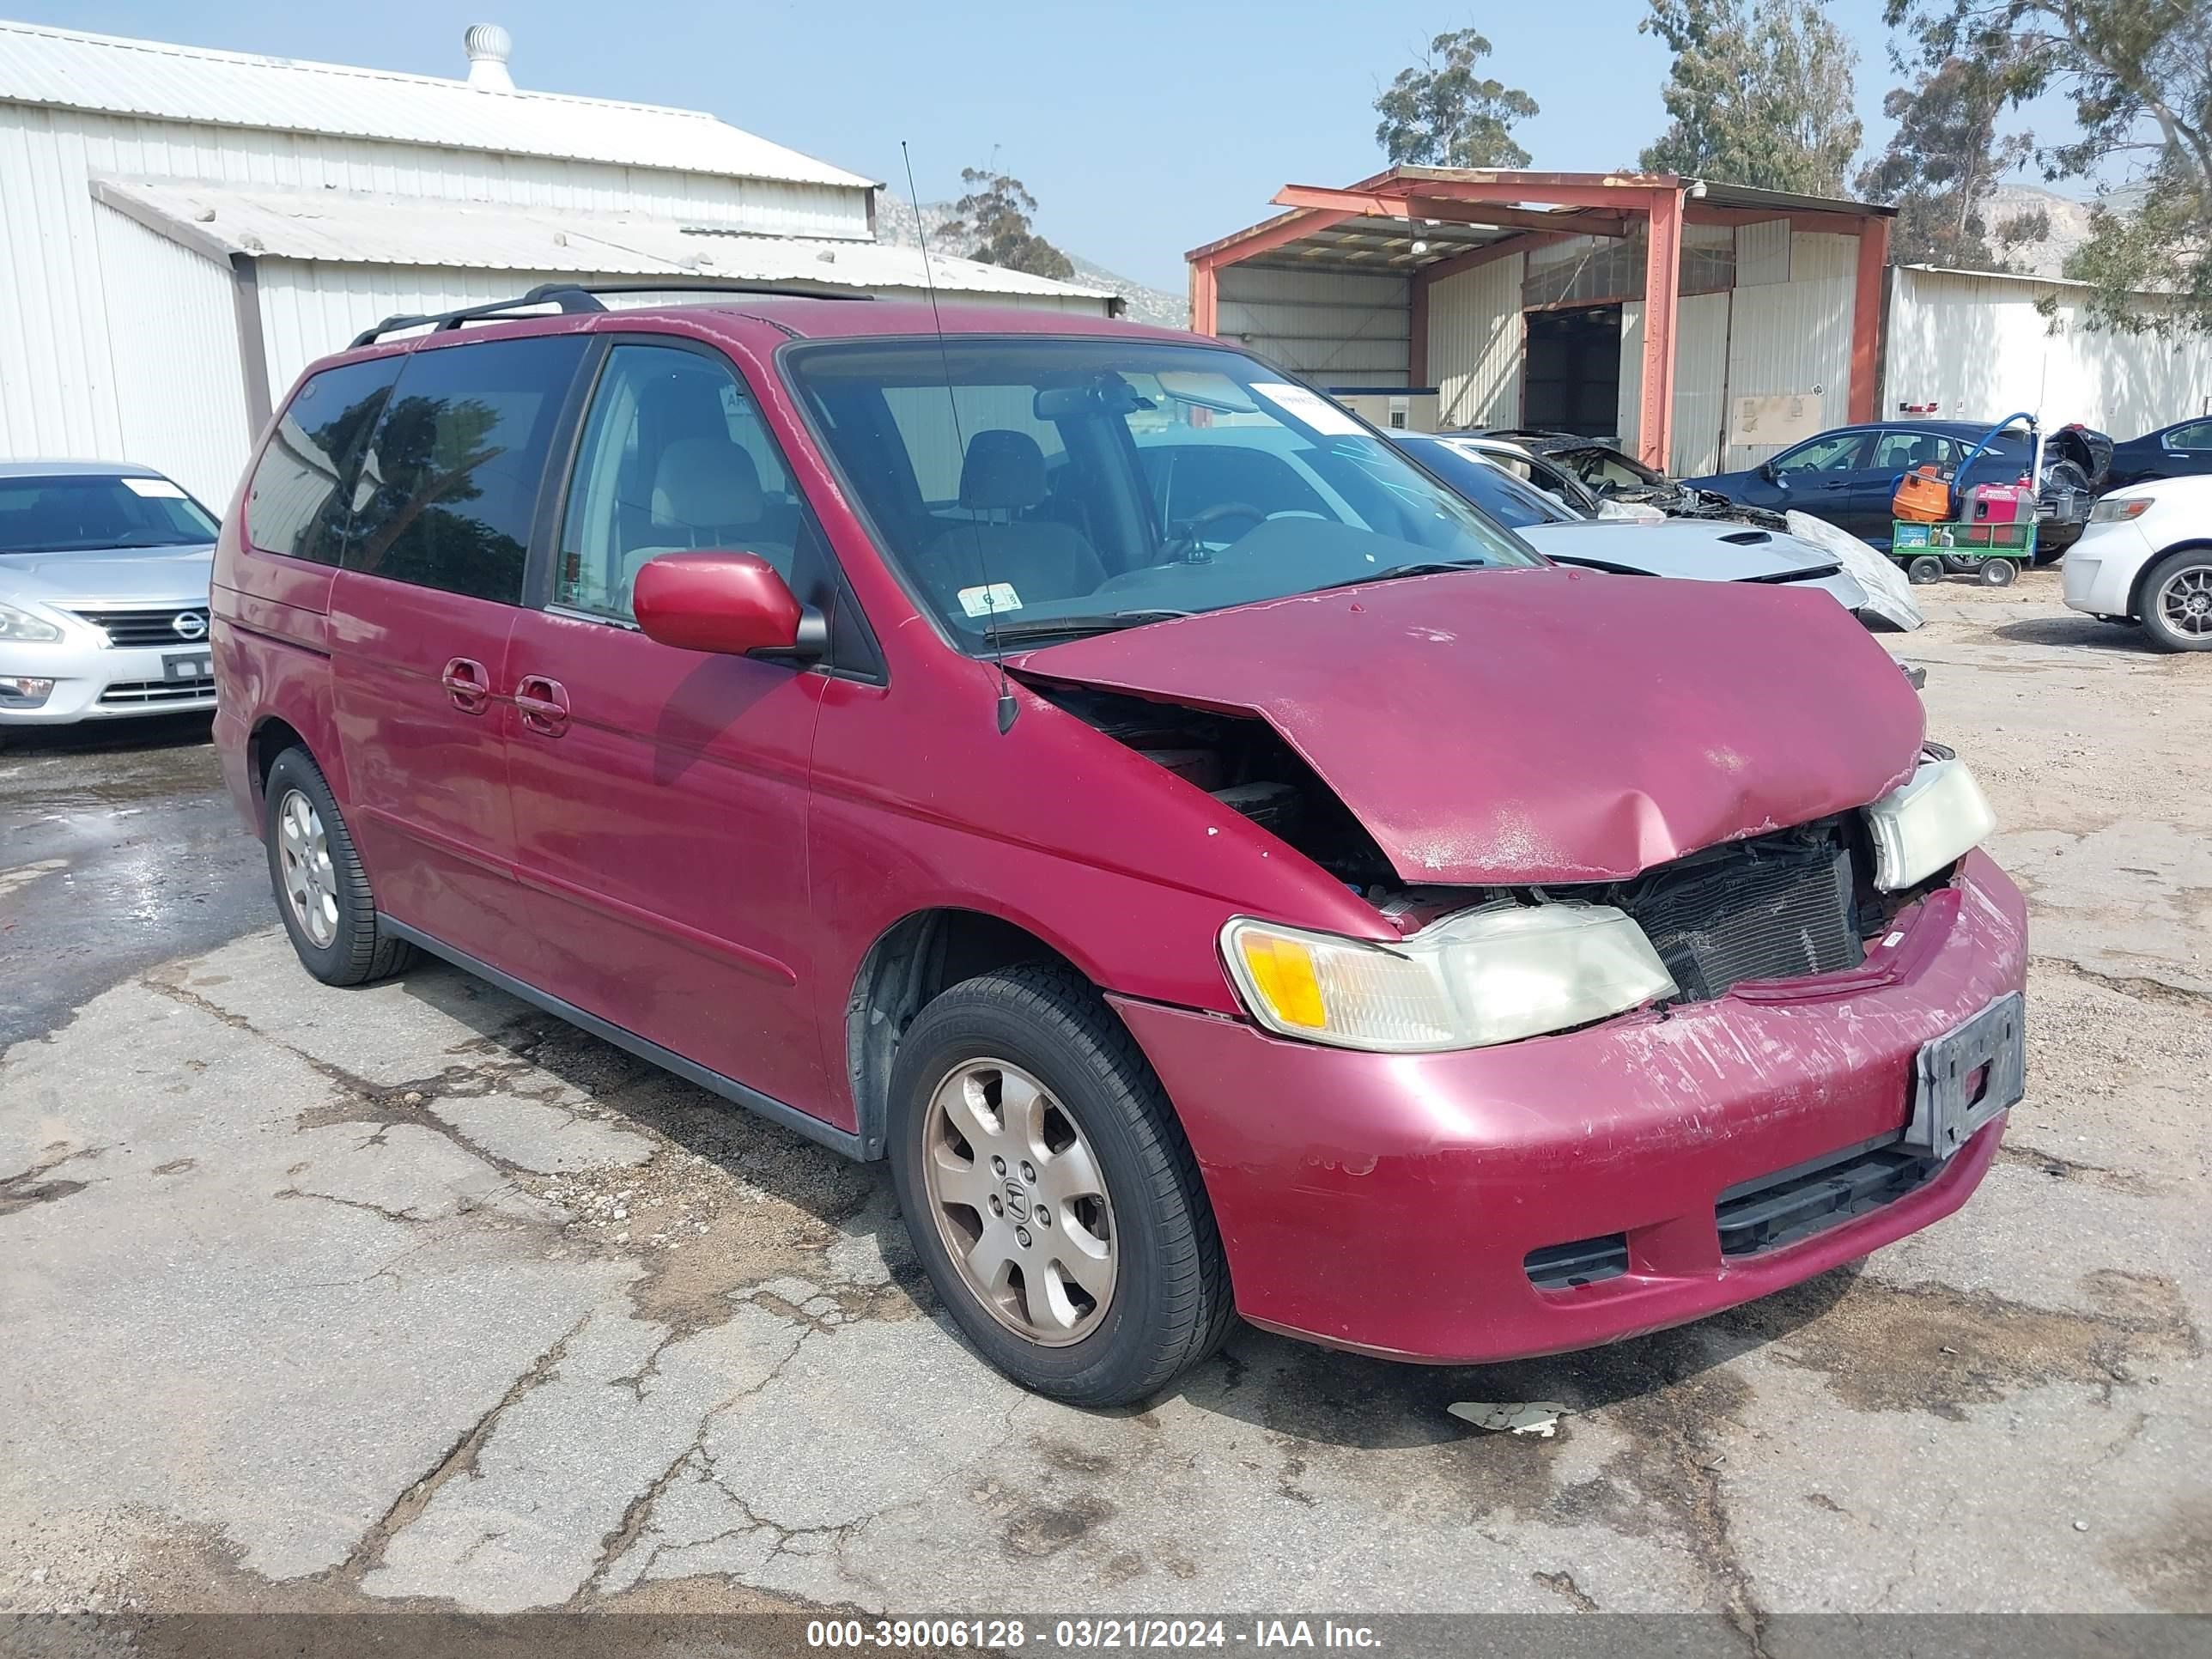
(430, 577)
(1827, 477)
(660, 794)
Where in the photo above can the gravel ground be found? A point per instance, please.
(411, 1298)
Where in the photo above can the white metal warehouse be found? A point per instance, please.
(1449, 298)
(182, 230)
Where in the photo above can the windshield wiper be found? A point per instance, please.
(1030, 627)
(1418, 568)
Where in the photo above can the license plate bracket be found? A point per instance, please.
(187, 666)
(1968, 1076)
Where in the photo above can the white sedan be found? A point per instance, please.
(2147, 557)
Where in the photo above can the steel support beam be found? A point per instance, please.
(1205, 300)
(1866, 317)
(1663, 284)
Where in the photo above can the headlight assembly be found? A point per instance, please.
(1935, 816)
(21, 628)
(1481, 977)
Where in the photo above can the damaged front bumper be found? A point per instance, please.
(1561, 1192)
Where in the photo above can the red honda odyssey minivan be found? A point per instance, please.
(1222, 872)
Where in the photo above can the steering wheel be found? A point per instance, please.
(1181, 550)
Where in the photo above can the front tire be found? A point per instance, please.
(1924, 569)
(1049, 1192)
(322, 891)
(2177, 604)
(1998, 573)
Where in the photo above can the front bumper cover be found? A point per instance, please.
(1388, 1202)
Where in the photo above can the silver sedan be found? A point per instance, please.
(104, 573)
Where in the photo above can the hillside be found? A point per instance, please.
(895, 224)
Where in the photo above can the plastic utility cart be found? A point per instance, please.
(1989, 529)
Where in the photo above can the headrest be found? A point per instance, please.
(1003, 470)
(706, 483)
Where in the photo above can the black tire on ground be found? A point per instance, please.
(358, 951)
(1924, 569)
(1998, 572)
(2191, 568)
(1170, 1305)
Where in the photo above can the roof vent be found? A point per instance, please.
(489, 48)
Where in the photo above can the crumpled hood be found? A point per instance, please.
(1508, 728)
(155, 574)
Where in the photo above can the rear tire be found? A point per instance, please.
(322, 891)
(2177, 601)
(1998, 572)
(975, 1056)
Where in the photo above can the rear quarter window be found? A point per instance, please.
(296, 505)
(448, 489)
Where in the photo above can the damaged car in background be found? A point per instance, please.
(1214, 894)
(1652, 544)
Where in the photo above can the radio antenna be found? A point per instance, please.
(1007, 707)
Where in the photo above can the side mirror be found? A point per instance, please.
(732, 604)
(1767, 472)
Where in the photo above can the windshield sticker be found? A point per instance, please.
(1315, 410)
(159, 489)
(983, 601)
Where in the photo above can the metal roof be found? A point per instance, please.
(71, 70)
(1544, 204)
(348, 227)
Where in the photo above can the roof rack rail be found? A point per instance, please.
(583, 296)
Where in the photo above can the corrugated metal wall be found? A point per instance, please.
(1337, 328)
(1977, 348)
(61, 390)
(57, 368)
(173, 320)
(1701, 382)
(1475, 339)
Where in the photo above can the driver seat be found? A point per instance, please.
(1003, 472)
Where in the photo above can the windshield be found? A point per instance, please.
(1604, 469)
(1504, 498)
(1110, 482)
(78, 513)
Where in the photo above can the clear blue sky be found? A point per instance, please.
(1144, 128)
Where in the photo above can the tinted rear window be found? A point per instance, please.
(298, 502)
(450, 483)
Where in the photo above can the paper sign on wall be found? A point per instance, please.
(1786, 417)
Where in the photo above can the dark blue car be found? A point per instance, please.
(1848, 476)
(2172, 452)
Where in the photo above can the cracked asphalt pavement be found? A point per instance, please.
(411, 1297)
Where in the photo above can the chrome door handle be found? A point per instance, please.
(468, 683)
(543, 704)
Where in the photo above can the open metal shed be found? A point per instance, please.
(1436, 285)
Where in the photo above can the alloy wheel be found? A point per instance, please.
(2184, 602)
(1018, 1202)
(303, 850)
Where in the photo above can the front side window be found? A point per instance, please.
(1906, 451)
(1840, 451)
(1057, 486)
(447, 491)
(675, 457)
(298, 501)
(79, 512)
